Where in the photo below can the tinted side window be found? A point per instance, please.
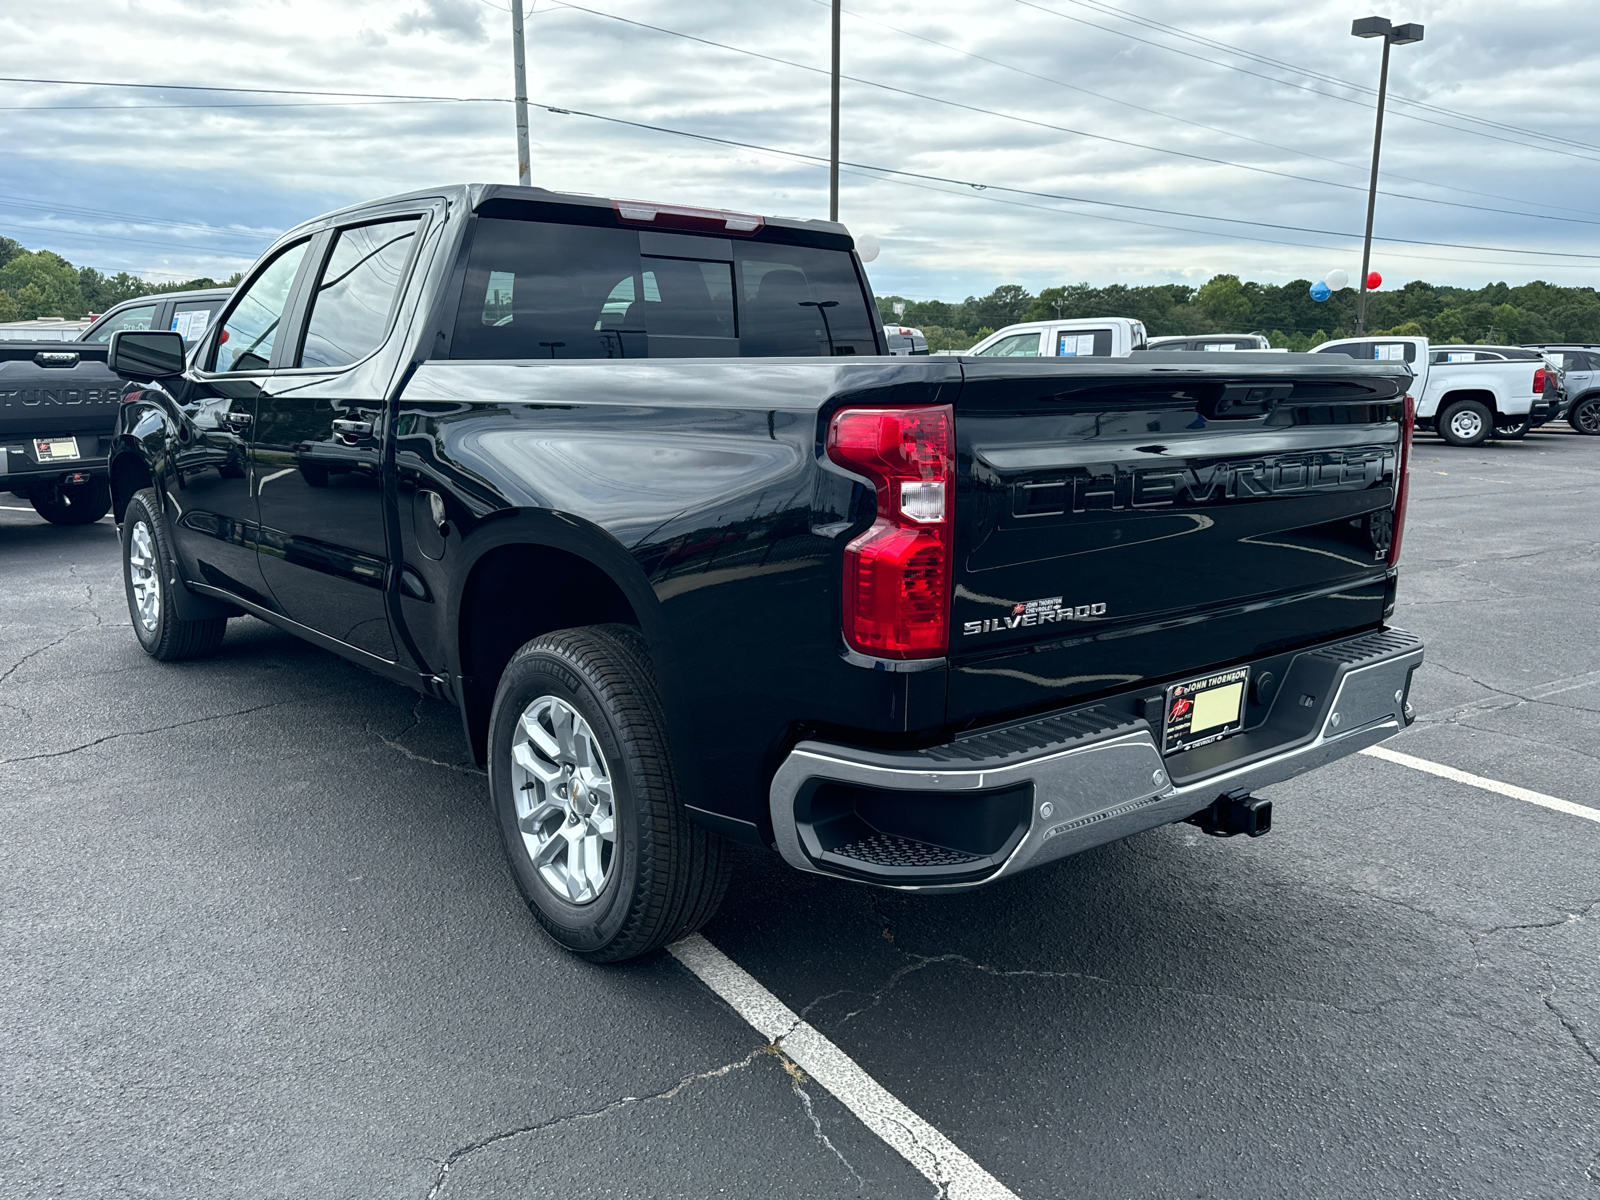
(247, 337)
(137, 317)
(797, 300)
(350, 310)
(1349, 349)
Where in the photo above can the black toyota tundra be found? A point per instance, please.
(638, 489)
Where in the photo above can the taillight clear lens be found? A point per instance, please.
(897, 574)
(1402, 479)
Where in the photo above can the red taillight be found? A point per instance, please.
(897, 574)
(678, 216)
(1402, 479)
(1538, 380)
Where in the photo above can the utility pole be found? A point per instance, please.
(833, 139)
(524, 170)
(1392, 35)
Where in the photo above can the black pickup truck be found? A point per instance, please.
(922, 623)
(58, 403)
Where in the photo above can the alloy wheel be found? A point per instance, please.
(1588, 416)
(566, 808)
(143, 578)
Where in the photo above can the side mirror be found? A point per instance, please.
(142, 354)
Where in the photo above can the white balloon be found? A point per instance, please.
(867, 247)
(1337, 279)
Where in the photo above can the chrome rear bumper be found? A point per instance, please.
(1089, 775)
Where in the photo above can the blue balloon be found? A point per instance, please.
(1320, 291)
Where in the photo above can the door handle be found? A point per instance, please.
(352, 429)
(238, 421)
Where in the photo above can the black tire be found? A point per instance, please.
(1512, 433)
(1463, 416)
(664, 875)
(73, 503)
(1585, 415)
(148, 561)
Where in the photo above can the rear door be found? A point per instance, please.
(1121, 524)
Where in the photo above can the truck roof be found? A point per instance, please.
(512, 200)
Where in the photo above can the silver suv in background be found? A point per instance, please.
(1580, 370)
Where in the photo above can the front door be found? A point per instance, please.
(318, 446)
(210, 490)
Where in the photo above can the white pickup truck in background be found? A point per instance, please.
(1086, 337)
(1466, 394)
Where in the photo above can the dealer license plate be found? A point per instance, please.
(56, 449)
(1204, 710)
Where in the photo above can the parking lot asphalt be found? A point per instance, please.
(259, 940)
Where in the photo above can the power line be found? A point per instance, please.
(1152, 23)
(23, 202)
(706, 137)
(1200, 124)
(1301, 86)
(257, 91)
(267, 104)
(1068, 129)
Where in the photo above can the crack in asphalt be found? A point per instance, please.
(816, 1125)
(395, 744)
(1571, 1026)
(12, 669)
(455, 1156)
(111, 737)
(921, 962)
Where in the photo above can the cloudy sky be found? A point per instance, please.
(1017, 128)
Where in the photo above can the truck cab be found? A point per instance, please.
(1091, 337)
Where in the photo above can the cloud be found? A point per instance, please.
(455, 20)
(1287, 146)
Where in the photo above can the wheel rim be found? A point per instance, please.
(1466, 424)
(1589, 417)
(566, 808)
(143, 578)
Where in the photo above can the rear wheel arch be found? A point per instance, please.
(527, 580)
(1482, 395)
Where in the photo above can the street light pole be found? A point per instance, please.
(519, 65)
(833, 131)
(1392, 35)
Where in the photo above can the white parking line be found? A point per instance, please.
(1488, 785)
(939, 1159)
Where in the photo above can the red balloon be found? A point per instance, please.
(1374, 281)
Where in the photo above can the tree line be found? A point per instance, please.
(1494, 314)
(40, 283)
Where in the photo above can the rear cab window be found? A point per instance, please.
(536, 289)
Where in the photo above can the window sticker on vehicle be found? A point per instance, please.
(190, 325)
(1395, 350)
(1205, 710)
(1070, 345)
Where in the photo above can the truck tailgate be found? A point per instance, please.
(56, 388)
(1119, 524)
